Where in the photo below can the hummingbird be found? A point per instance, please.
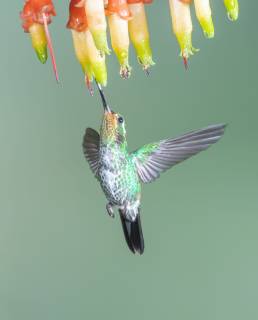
(121, 173)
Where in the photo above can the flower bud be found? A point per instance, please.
(139, 34)
(232, 9)
(118, 15)
(203, 13)
(39, 41)
(90, 58)
(182, 27)
(97, 23)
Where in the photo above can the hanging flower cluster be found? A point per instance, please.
(127, 22)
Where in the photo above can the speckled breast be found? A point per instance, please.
(118, 177)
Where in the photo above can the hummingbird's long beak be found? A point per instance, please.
(104, 102)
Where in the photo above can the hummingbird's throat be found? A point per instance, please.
(112, 132)
(109, 127)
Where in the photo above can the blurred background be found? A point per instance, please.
(62, 257)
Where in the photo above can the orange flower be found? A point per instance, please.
(118, 14)
(36, 15)
(77, 16)
(186, 1)
(92, 62)
(34, 10)
(139, 1)
(120, 7)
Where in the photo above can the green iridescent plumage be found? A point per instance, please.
(143, 153)
(121, 173)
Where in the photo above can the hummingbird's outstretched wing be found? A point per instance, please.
(154, 158)
(91, 148)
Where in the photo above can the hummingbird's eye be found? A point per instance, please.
(120, 119)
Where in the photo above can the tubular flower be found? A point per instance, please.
(127, 22)
(182, 27)
(118, 15)
(92, 62)
(139, 33)
(232, 9)
(95, 13)
(36, 15)
(203, 13)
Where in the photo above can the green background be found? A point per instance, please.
(62, 257)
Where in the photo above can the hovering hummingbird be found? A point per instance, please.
(120, 173)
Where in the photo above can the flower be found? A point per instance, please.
(139, 33)
(95, 14)
(232, 9)
(36, 15)
(182, 27)
(127, 22)
(118, 15)
(90, 58)
(203, 13)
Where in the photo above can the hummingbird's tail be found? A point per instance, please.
(133, 233)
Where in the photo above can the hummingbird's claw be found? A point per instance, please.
(110, 210)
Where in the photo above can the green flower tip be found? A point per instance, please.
(41, 52)
(125, 71)
(185, 43)
(95, 70)
(232, 9)
(100, 39)
(207, 27)
(100, 72)
(122, 57)
(144, 54)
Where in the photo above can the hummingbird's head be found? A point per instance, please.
(113, 125)
(113, 128)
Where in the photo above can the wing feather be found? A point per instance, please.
(153, 159)
(91, 148)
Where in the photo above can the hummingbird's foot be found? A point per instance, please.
(110, 210)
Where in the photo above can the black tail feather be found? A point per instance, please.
(133, 233)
